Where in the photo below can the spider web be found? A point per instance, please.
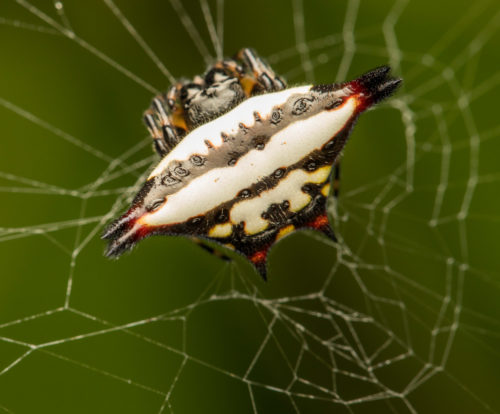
(400, 316)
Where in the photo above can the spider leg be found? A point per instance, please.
(264, 76)
(165, 120)
(190, 103)
(254, 75)
(336, 178)
(177, 111)
(160, 146)
(210, 249)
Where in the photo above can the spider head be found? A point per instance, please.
(222, 92)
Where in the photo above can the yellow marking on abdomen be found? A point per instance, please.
(325, 190)
(289, 188)
(255, 227)
(284, 231)
(319, 175)
(300, 200)
(221, 230)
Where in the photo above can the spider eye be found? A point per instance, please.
(155, 204)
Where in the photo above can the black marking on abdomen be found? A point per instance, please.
(197, 160)
(278, 218)
(180, 171)
(278, 215)
(169, 179)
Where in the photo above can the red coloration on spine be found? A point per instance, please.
(361, 95)
(142, 232)
(373, 87)
(319, 222)
(259, 257)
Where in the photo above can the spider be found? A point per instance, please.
(189, 104)
(245, 160)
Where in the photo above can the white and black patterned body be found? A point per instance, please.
(255, 173)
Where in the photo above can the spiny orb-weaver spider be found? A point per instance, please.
(244, 159)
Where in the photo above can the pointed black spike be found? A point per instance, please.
(376, 85)
(374, 77)
(122, 234)
(261, 269)
(322, 224)
(386, 89)
(259, 261)
(328, 231)
(114, 249)
(113, 229)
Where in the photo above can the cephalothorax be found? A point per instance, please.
(245, 160)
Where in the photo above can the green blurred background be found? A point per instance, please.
(401, 316)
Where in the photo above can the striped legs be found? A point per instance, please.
(190, 103)
(210, 249)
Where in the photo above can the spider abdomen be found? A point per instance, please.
(219, 181)
(252, 174)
